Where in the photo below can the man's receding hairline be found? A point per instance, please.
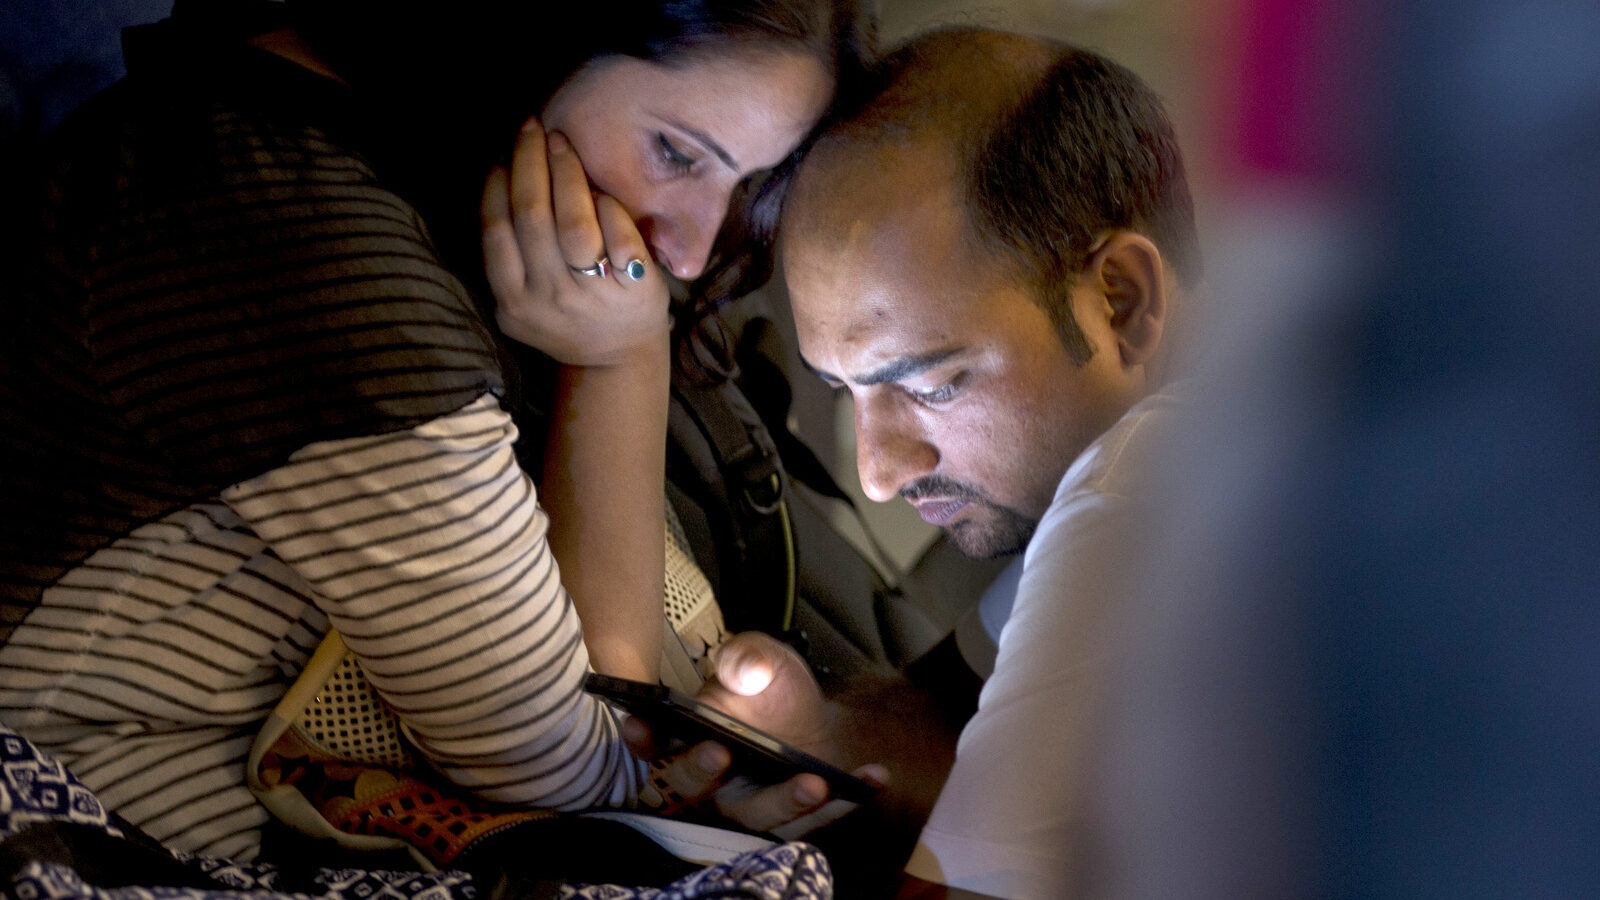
(949, 86)
(946, 91)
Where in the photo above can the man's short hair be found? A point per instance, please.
(1056, 146)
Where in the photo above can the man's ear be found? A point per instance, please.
(1129, 271)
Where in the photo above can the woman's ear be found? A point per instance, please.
(1129, 271)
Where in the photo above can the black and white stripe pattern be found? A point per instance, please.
(240, 397)
(148, 669)
(216, 283)
(430, 552)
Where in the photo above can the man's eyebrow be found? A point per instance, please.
(896, 370)
(710, 144)
(825, 376)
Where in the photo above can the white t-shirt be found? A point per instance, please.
(1004, 823)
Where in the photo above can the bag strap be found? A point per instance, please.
(744, 462)
(761, 376)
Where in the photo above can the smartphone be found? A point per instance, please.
(760, 756)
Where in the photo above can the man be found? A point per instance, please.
(989, 257)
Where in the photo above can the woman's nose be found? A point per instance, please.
(682, 239)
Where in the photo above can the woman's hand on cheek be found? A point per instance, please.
(541, 223)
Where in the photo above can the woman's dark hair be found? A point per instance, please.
(456, 79)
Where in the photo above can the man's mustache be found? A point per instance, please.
(945, 489)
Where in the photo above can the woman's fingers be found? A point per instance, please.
(530, 197)
(576, 225)
(541, 225)
(556, 217)
(630, 258)
(502, 254)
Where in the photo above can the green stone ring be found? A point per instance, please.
(635, 269)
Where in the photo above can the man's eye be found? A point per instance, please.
(937, 395)
(672, 156)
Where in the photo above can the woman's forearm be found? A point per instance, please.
(604, 488)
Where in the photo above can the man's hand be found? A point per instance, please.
(541, 221)
(762, 681)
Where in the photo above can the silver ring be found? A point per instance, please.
(600, 269)
(635, 269)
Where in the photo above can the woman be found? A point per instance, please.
(251, 397)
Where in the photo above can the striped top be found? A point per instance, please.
(242, 400)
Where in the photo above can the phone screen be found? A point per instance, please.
(756, 754)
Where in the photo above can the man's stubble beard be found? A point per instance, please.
(1002, 532)
(1007, 532)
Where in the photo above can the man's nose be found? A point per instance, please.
(891, 451)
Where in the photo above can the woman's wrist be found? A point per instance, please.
(622, 659)
(649, 353)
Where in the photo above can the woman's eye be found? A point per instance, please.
(672, 156)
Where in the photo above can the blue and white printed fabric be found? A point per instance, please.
(792, 871)
(35, 789)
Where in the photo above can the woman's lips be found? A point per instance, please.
(939, 512)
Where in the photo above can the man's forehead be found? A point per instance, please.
(890, 291)
(876, 218)
(879, 345)
(859, 179)
(888, 236)
(870, 260)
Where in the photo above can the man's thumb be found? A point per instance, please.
(747, 663)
